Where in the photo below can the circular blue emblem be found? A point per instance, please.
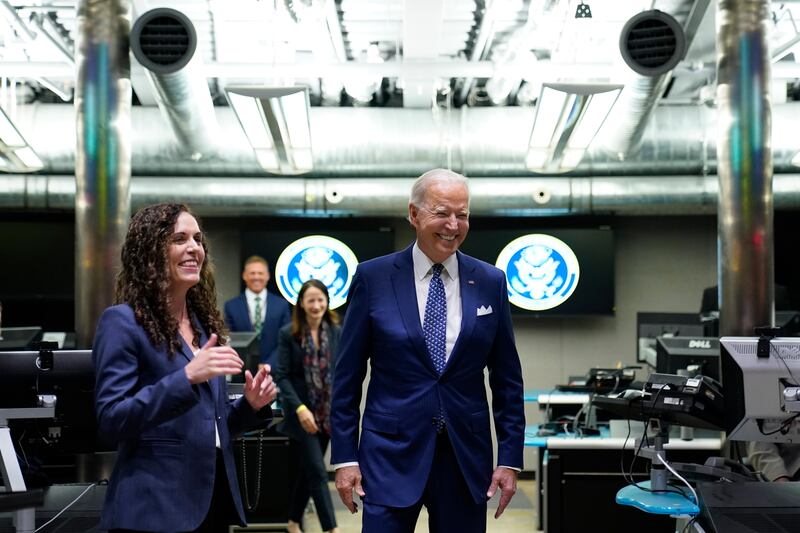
(316, 257)
(541, 271)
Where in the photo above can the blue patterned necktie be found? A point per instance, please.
(434, 326)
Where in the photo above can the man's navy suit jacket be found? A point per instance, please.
(237, 318)
(398, 437)
(164, 429)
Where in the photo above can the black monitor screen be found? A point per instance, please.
(699, 355)
(18, 338)
(37, 270)
(652, 325)
(246, 345)
(365, 239)
(24, 376)
(551, 271)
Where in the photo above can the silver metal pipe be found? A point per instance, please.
(745, 258)
(103, 156)
(480, 142)
(361, 197)
(622, 132)
(181, 89)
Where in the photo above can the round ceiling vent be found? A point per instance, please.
(652, 43)
(163, 40)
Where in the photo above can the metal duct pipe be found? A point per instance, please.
(623, 131)
(101, 197)
(354, 142)
(388, 197)
(745, 260)
(164, 42)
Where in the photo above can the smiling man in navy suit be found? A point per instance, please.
(429, 320)
(257, 309)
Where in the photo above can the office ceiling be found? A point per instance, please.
(442, 65)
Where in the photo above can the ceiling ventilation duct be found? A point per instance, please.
(652, 43)
(164, 42)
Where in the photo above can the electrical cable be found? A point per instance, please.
(70, 504)
(644, 439)
(677, 475)
(689, 524)
(547, 412)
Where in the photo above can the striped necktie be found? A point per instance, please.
(257, 322)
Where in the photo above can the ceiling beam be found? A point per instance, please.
(422, 28)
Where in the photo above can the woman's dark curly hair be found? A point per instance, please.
(299, 322)
(143, 282)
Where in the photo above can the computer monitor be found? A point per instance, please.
(71, 379)
(18, 338)
(24, 375)
(789, 322)
(699, 355)
(246, 345)
(649, 326)
(760, 402)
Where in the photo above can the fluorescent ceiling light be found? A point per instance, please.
(29, 157)
(9, 135)
(568, 117)
(276, 122)
(16, 155)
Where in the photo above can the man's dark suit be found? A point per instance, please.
(237, 318)
(398, 438)
(164, 429)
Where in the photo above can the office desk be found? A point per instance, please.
(580, 479)
(532, 439)
(556, 403)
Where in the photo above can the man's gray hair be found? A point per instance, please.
(437, 175)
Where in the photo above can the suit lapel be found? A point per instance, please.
(245, 309)
(272, 310)
(469, 305)
(186, 351)
(405, 291)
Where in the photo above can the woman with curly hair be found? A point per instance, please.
(160, 363)
(304, 373)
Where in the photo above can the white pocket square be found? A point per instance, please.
(483, 310)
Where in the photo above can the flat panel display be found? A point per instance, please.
(365, 243)
(539, 269)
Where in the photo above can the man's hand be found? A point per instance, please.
(306, 418)
(348, 479)
(505, 479)
(212, 361)
(259, 390)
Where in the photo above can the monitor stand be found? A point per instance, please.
(25, 518)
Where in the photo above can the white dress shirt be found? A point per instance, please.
(251, 305)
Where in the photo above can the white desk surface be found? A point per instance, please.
(615, 443)
(562, 399)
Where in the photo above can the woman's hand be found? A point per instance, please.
(213, 361)
(260, 390)
(306, 418)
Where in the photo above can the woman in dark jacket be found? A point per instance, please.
(160, 390)
(304, 374)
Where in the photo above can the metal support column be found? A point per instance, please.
(103, 156)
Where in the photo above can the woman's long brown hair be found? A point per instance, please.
(143, 282)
